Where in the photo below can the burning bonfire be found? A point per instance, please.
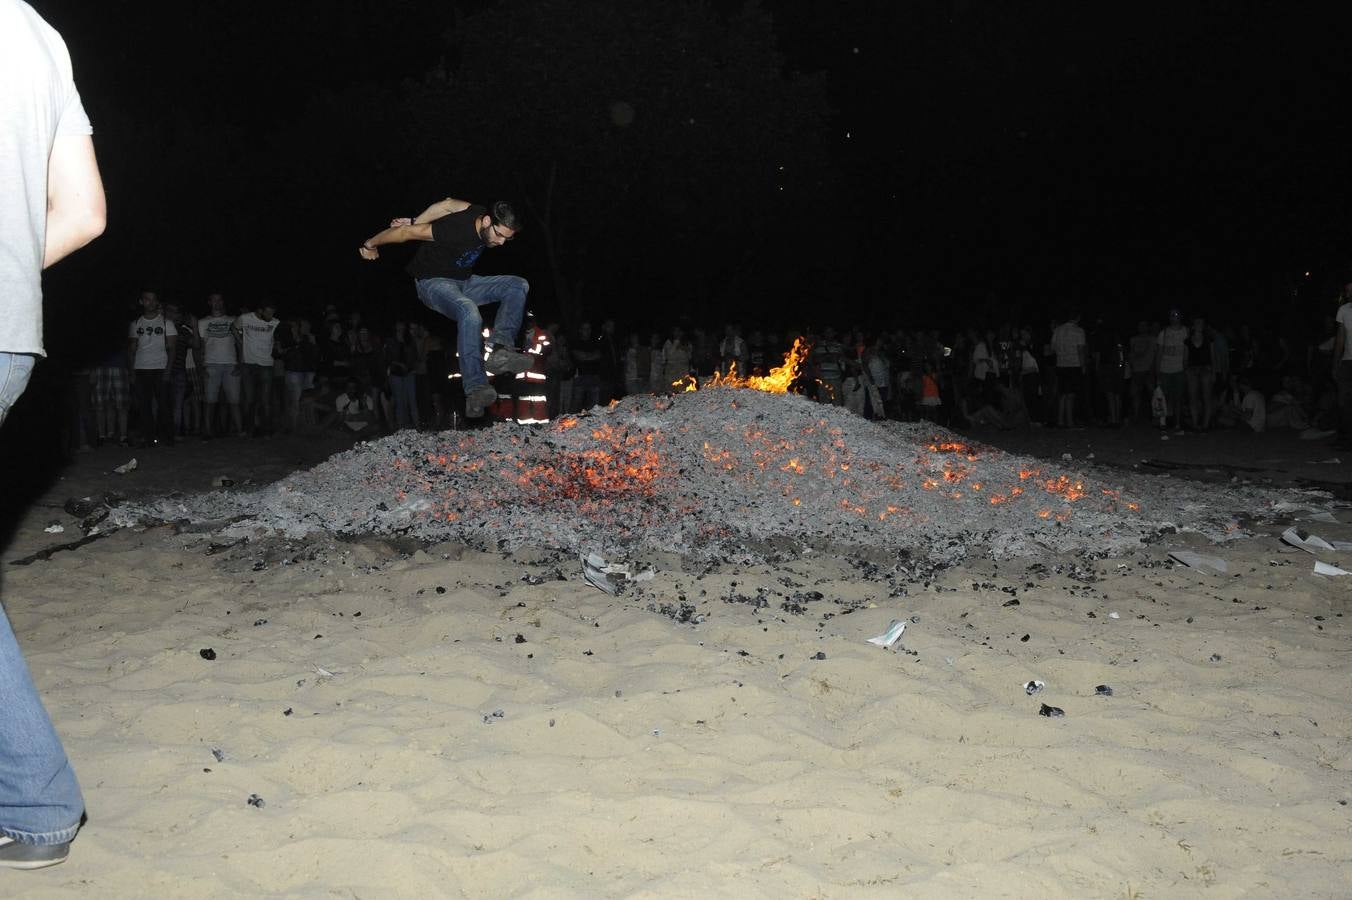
(780, 379)
(729, 471)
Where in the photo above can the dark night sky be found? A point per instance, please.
(988, 153)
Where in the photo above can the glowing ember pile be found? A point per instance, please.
(719, 472)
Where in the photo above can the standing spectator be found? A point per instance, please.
(733, 353)
(439, 379)
(612, 362)
(335, 351)
(1200, 375)
(1030, 376)
(183, 391)
(984, 359)
(111, 395)
(1171, 360)
(255, 332)
(422, 393)
(658, 363)
(151, 340)
(878, 368)
(300, 357)
(827, 357)
(1068, 345)
(368, 367)
(559, 369)
(1342, 368)
(587, 379)
(677, 354)
(1110, 364)
(220, 358)
(1142, 360)
(638, 362)
(401, 361)
(703, 358)
(756, 358)
(51, 204)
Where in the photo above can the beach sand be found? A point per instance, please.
(442, 722)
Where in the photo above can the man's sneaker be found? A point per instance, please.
(506, 360)
(14, 855)
(479, 399)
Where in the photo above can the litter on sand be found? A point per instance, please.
(1033, 687)
(1199, 561)
(891, 635)
(128, 466)
(54, 528)
(609, 576)
(1323, 568)
(1297, 537)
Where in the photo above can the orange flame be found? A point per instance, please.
(777, 382)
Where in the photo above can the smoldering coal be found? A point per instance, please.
(721, 473)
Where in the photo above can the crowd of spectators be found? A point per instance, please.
(257, 372)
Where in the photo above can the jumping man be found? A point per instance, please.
(454, 233)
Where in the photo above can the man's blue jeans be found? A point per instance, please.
(15, 369)
(460, 301)
(40, 800)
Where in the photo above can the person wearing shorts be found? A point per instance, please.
(220, 355)
(1069, 346)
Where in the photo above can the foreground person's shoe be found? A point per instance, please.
(479, 399)
(14, 855)
(505, 360)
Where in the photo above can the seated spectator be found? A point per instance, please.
(1285, 410)
(979, 406)
(1253, 410)
(356, 411)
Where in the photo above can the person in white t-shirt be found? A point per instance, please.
(1070, 348)
(1342, 368)
(51, 204)
(255, 331)
(220, 352)
(1171, 363)
(151, 340)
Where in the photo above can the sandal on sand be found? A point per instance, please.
(14, 855)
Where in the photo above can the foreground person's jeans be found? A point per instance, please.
(40, 800)
(15, 369)
(460, 302)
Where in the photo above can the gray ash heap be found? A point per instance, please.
(720, 473)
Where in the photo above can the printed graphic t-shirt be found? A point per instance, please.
(257, 338)
(218, 341)
(454, 248)
(151, 337)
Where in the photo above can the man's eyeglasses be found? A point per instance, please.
(493, 227)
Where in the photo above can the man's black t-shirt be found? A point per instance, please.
(454, 247)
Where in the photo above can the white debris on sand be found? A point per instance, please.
(720, 473)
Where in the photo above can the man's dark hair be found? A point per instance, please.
(504, 214)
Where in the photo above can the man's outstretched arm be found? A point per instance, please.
(395, 234)
(76, 208)
(440, 209)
